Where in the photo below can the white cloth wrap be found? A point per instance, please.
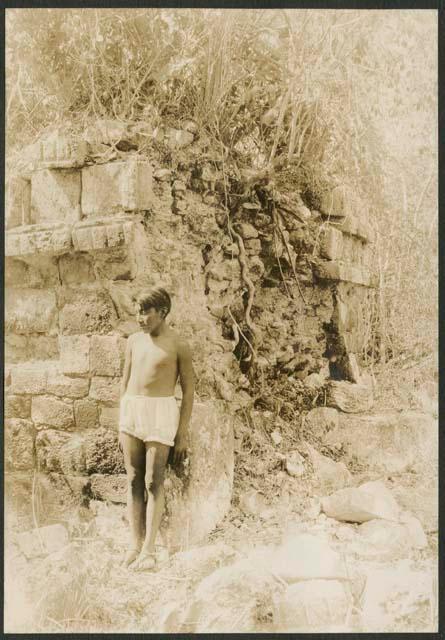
(149, 419)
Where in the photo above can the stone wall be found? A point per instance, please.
(87, 227)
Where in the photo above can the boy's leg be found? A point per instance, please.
(134, 459)
(156, 461)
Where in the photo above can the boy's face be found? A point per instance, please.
(149, 319)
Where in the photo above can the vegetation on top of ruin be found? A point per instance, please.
(300, 100)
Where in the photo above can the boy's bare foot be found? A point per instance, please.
(145, 562)
(131, 555)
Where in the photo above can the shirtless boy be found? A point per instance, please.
(150, 422)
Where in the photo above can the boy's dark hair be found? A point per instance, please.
(158, 298)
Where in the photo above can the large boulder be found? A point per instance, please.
(227, 600)
(253, 594)
(360, 504)
(388, 442)
(201, 500)
(383, 540)
(349, 397)
(319, 421)
(301, 557)
(328, 473)
(313, 606)
(399, 599)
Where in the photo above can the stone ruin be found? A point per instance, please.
(91, 222)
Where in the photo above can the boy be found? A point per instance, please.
(150, 422)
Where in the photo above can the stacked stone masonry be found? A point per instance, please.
(82, 239)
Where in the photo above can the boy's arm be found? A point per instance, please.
(127, 366)
(125, 377)
(187, 382)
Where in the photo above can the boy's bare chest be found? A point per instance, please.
(150, 355)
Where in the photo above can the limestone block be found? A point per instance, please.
(103, 454)
(54, 240)
(312, 606)
(33, 272)
(237, 587)
(328, 474)
(106, 355)
(352, 369)
(58, 493)
(415, 530)
(343, 272)
(327, 271)
(331, 243)
(115, 235)
(88, 236)
(106, 390)
(76, 268)
(12, 244)
(123, 297)
(356, 251)
(86, 311)
(30, 311)
(388, 442)
(82, 238)
(347, 255)
(99, 238)
(349, 397)
(74, 354)
(17, 406)
(29, 378)
(28, 242)
(315, 381)
(63, 153)
(16, 348)
(384, 540)
(397, 598)
(207, 491)
(60, 452)
(116, 187)
(18, 203)
(19, 444)
(294, 464)
(109, 418)
(341, 316)
(33, 347)
(55, 196)
(66, 387)
(86, 414)
(356, 227)
(46, 410)
(112, 488)
(163, 175)
(116, 264)
(42, 541)
(320, 421)
(339, 202)
(360, 504)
